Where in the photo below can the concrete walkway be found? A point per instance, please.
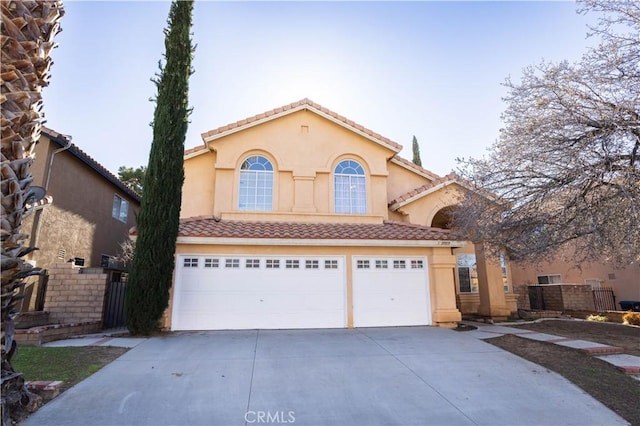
(629, 364)
(375, 376)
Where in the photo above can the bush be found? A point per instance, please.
(597, 318)
(631, 318)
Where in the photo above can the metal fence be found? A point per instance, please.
(604, 299)
(114, 313)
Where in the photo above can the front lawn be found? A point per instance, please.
(603, 381)
(69, 364)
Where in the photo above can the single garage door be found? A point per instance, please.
(248, 292)
(390, 292)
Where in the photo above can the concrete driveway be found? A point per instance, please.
(378, 376)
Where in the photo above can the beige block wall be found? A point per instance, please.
(625, 282)
(577, 297)
(74, 297)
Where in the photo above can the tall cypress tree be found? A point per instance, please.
(416, 152)
(158, 220)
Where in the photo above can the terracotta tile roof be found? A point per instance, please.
(207, 226)
(62, 140)
(300, 103)
(415, 167)
(450, 178)
(194, 149)
(443, 181)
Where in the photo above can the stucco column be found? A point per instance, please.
(490, 286)
(443, 288)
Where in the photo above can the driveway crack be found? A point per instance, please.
(253, 369)
(418, 376)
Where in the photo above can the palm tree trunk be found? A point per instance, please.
(28, 28)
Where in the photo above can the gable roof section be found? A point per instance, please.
(402, 162)
(207, 230)
(303, 104)
(89, 161)
(432, 187)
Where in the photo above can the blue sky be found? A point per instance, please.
(429, 69)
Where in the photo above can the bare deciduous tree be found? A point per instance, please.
(567, 161)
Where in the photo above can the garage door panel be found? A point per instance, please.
(389, 296)
(251, 295)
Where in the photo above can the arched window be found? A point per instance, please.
(256, 184)
(350, 189)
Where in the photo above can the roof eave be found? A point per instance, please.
(316, 242)
(421, 171)
(416, 197)
(92, 163)
(210, 138)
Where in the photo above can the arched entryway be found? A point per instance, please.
(480, 279)
(443, 218)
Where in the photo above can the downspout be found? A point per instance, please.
(35, 229)
(53, 155)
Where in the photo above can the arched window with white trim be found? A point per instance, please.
(350, 188)
(256, 184)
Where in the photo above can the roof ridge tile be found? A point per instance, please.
(293, 105)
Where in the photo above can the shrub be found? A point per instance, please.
(631, 318)
(597, 318)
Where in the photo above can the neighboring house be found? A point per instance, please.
(625, 282)
(87, 211)
(301, 218)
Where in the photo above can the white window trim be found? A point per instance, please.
(548, 276)
(254, 205)
(351, 177)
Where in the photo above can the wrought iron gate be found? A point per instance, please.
(114, 313)
(603, 299)
(536, 298)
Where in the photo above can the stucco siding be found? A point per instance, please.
(79, 220)
(423, 210)
(198, 191)
(304, 149)
(401, 181)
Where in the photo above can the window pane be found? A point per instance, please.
(399, 264)
(292, 264)
(115, 211)
(331, 264)
(124, 210)
(382, 264)
(350, 190)
(256, 185)
(464, 276)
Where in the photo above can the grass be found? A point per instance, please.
(69, 364)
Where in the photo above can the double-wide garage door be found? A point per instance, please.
(271, 292)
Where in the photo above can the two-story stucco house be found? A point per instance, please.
(87, 211)
(301, 218)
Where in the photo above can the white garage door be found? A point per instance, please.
(247, 292)
(390, 292)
